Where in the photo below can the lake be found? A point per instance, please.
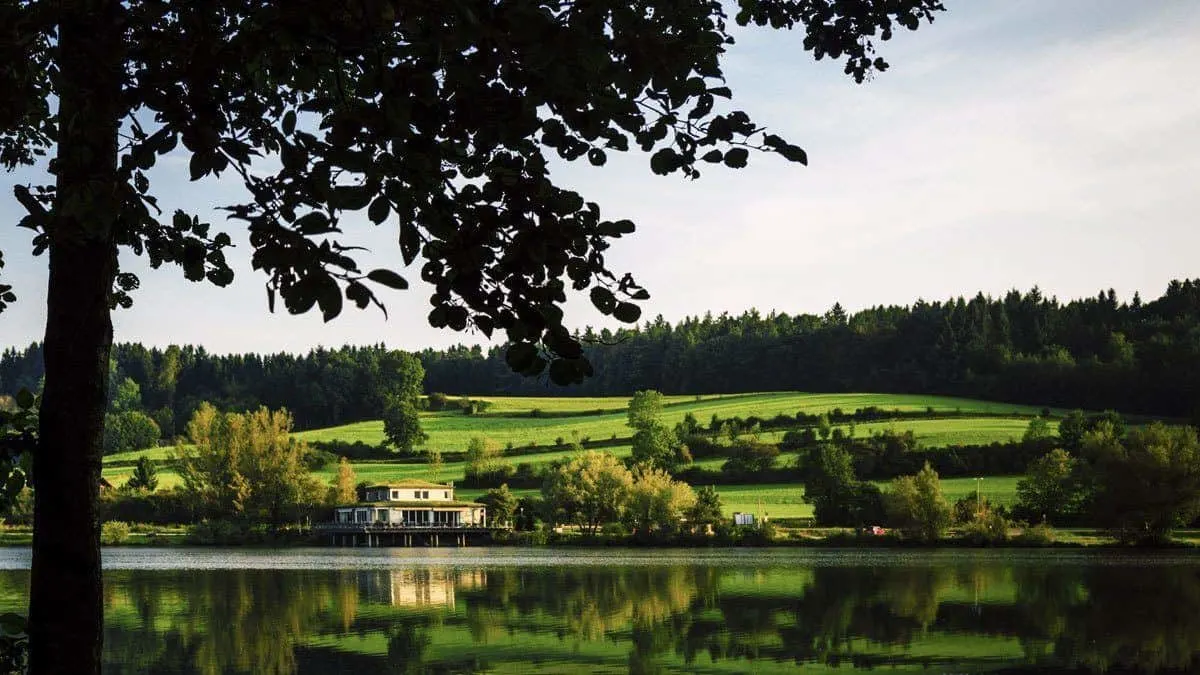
(505, 610)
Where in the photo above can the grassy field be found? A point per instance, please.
(510, 421)
(786, 500)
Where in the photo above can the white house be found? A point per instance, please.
(411, 503)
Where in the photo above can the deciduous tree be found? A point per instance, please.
(402, 423)
(707, 509)
(246, 465)
(592, 489)
(1053, 489)
(1147, 484)
(915, 504)
(656, 501)
(501, 504)
(342, 487)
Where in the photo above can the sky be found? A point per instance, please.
(1011, 144)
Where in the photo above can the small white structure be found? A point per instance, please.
(743, 518)
(411, 503)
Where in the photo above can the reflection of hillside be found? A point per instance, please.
(960, 616)
(417, 587)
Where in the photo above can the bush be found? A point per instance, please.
(164, 507)
(1038, 535)
(114, 532)
(988, 529)
(355, 450)
(437, 401)
(614, 531)
(316, 459)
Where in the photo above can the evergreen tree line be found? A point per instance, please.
(1095, 353)
(325, 387)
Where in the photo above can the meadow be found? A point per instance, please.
(543, 421)
(512, 420)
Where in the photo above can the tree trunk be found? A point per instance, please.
(66, 614)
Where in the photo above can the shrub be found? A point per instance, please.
(437, 401)
(536, 412)
(987, 529)
(114, 532)
(1038, 535)
(316, 459)
(614, 531)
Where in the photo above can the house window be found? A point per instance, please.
(425, 494)
(446, 494)
(360, 516)
(416, 494)
(395, 494)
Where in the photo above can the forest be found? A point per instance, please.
(1093, 353)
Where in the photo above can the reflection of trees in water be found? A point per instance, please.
(1090, 616)
(229, 621)
(1130, 618)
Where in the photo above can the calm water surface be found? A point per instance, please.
(640, 611)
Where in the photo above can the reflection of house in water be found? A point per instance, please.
(419, 587)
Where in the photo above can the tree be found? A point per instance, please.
(483, 456)
(707, 509)
(831, 486)
(129, 430)
(402, 423)
(435, 463)
(592, 489)
(1037, 431)
(824, 428)
(750, 457)
(915, 504)
(1052, 489)
(1071, 430)
(654, 444)
(645, 410)
(245, 465)
(1147, 484)
(437, 117)
(145, 476)
(501, 504)
(656, 501)
(342, 486)
(657, 446)
(126, 397)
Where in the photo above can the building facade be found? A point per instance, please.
(411, 503)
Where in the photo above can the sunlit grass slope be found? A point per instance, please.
(511, 422)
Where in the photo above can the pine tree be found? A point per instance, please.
(145, 476)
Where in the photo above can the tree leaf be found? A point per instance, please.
(627, 312)
(388, 278)
(379, 210)
(520, 356)
(737, 158)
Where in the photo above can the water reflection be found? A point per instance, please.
(975, 616)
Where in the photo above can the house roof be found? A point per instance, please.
(411, 483)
